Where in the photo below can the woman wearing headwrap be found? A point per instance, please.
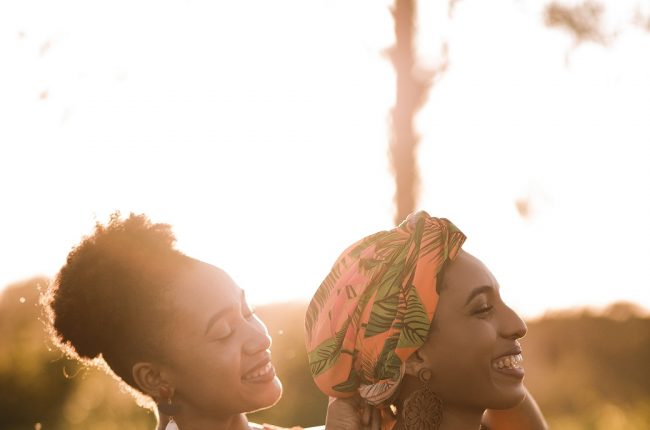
(415, 327)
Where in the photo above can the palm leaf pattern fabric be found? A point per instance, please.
(375, 307)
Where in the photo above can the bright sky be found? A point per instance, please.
(259, 131)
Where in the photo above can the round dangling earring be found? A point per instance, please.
(167, 407)
(422, 410)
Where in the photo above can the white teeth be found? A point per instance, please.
(261, 372)
(509, 362)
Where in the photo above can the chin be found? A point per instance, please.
(267, 396)
(508, 399)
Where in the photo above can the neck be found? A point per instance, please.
(460, 420)
(454, 417)
(234, 422)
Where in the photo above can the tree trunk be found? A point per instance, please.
(410, 94)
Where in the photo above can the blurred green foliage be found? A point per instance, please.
(587, 371)
(42, 389)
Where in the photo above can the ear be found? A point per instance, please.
(149, 378)
(414, 364)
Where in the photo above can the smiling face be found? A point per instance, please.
(218, 357)
(472, 347)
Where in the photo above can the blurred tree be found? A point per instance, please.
(642, 16)
(39, 387)
(590, 370)
(413, 83)
(32, 389)
(583, 21)
(411, 91)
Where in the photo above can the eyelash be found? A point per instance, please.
(227, 336)
(483, 310)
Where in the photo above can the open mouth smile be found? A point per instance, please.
(510, 365)
(263, 373)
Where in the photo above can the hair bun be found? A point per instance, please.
(96, 293)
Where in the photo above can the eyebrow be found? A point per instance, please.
(214, 318)
(479, 290)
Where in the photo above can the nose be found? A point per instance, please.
(512, 326)
(257, 337)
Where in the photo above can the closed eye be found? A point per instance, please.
(224, 335)
(483, 310)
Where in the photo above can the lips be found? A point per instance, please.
(510, 364)
(262, 372)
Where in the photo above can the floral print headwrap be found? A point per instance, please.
(375, 307)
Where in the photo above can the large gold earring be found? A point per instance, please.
(422, 410)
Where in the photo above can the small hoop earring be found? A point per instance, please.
(422, 410)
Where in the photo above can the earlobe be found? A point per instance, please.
(148, 378)
(414, 364)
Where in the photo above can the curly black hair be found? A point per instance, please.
(107, 300)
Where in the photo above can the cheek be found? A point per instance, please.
(208, 364)
(463, 360)
(465, 364)
(463, 379)
(210, 378)
(219, 361)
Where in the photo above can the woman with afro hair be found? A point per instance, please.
(177, 331)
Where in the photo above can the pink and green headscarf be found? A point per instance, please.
(375, 307)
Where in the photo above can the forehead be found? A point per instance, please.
(203, 286)
(465, 273)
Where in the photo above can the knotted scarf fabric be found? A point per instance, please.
(375, 307)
